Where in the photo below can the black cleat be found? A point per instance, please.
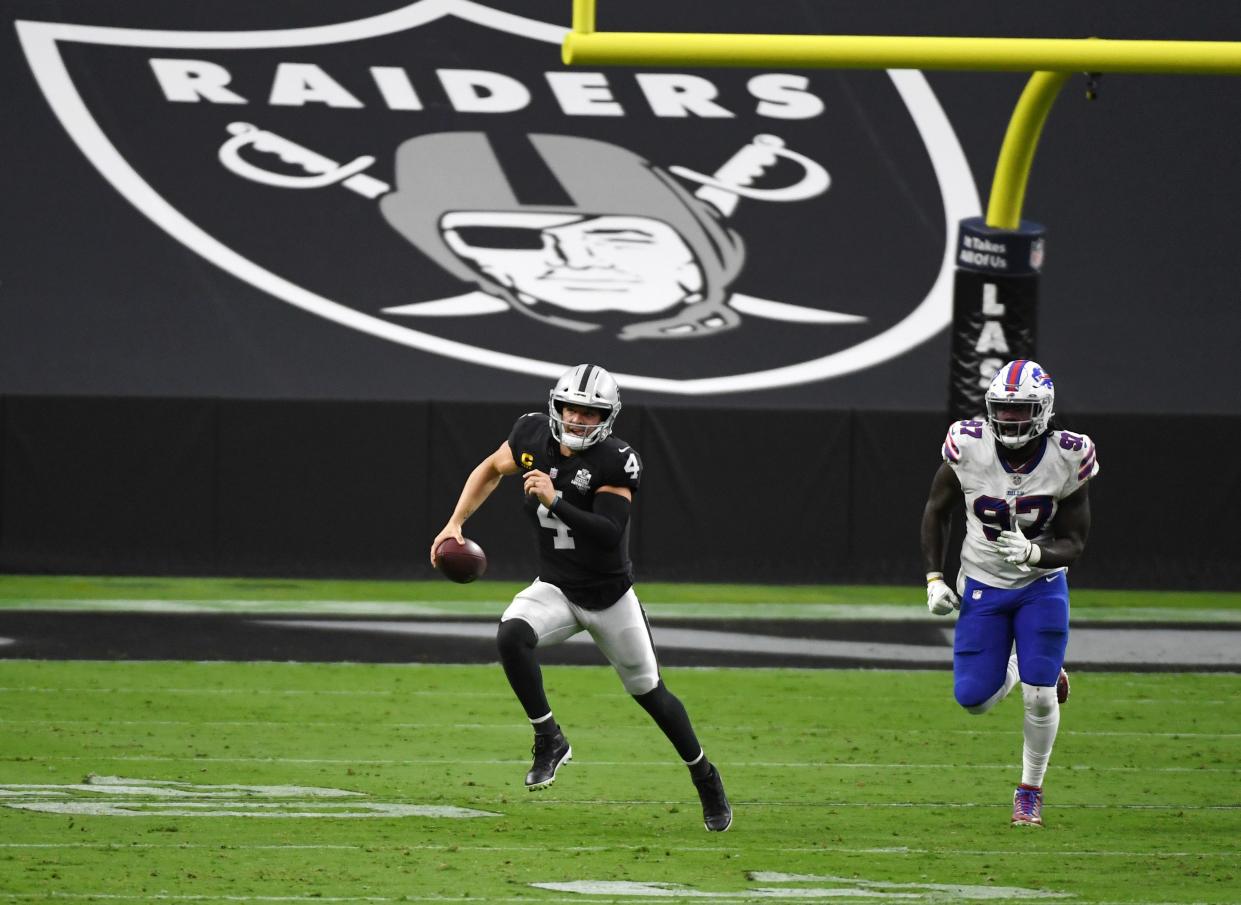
(717, 814)
(550, 751)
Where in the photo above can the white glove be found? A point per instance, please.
(940, 599)
(1014, 547)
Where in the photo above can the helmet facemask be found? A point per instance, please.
(1015, 423)
(578, 436)
(1019, 403)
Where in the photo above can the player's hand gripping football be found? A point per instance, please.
(453, 530)
(539, 485)
(941, 599)
(1015, 548)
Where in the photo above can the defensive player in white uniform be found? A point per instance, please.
(1027, 516)
(579, 482)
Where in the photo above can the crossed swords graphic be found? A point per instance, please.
(723, 190)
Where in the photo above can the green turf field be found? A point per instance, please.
(847, 785)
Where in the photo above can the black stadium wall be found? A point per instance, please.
(274, 275)
(358, 489)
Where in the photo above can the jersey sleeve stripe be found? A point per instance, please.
(950, 451)
(1087, 466)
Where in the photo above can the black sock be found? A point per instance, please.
(516, 641)
(548, 726)
(669, 714)
(701, 769)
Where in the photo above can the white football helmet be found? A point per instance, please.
(1020, 402)
(587, 385)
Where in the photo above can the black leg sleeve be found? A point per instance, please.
(516, 641)
(669, 714)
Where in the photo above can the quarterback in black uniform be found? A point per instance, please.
(579, 484)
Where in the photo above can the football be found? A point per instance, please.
(461, 563)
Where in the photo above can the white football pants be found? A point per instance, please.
(621, 631)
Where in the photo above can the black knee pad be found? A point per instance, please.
(515, 636)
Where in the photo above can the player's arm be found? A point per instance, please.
(478, 486)
(945, 498)
(1069, 530)
(605, 525)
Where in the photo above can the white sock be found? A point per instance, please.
(1042, 720)
(1011, 677)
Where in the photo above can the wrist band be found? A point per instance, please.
(934, 576)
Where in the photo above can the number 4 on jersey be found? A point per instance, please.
(632, 467)
(564, 538)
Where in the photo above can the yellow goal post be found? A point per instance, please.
(1051, 60)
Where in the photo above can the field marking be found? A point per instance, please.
(892, 610)
(186, 897)
(852, 888)
(169, 788)
(178, 798)
(898, 851)
(290, 692)
(508, 725)
(397, 801)
(508, 762)
(257, 809)
(870, 731)
(926, 805)
(528, 900)
(499, 693)
(1197, 703)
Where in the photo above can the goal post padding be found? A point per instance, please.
(995, 307)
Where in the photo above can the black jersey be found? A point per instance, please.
(592, 576)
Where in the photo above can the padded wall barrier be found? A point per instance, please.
(358, 489)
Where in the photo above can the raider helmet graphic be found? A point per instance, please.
(625, 238)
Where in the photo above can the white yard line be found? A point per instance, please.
(513, 726)
(924, 805)
(896, 611)
(493, 762)
(289, 692)
(527, 900)
(560, 802)
(185, 897)
(604, 849)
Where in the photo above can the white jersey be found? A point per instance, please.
(995, 493)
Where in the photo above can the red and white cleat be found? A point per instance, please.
(1027, 806)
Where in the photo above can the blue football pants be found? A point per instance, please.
(1036, 617)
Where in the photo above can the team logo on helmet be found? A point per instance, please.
(701, 234)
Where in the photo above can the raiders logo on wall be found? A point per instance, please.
(433, 177)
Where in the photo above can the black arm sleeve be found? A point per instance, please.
(605, 526)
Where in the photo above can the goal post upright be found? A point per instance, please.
(583, 22)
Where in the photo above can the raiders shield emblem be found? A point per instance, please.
(434, 177)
